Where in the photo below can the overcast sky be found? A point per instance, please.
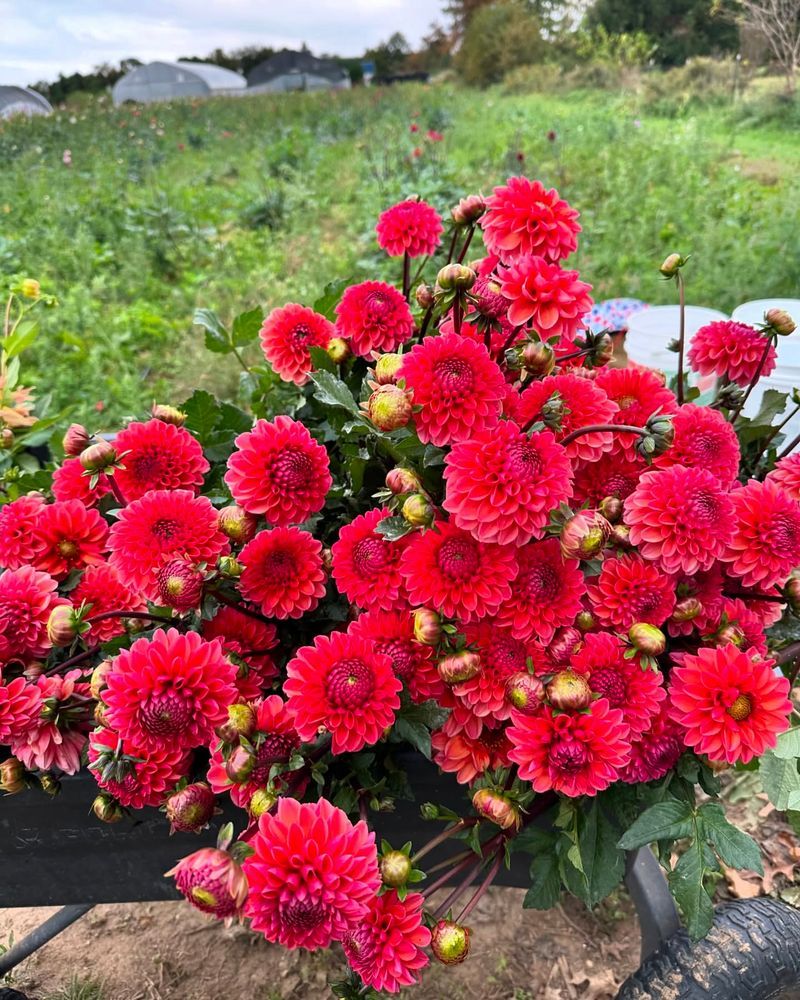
(41, 38)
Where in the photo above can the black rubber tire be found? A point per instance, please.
(752, 952)
(6, 993)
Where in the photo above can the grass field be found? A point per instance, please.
(238, 203)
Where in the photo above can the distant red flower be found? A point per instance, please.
(240, 635)
(502, 484)
(704, 439)
(583, 402)
(456, 752)
(57, 739)
(148, 778)
(553, 300)
(616, 475)
(386, 948)
(286, 337)
(457, 385)
(449, 570)
(766, 541)
(635, 690)
(729, 349)
(373, 316)
(274, 740)
(20, 705)
(392, 633)
(523, 217)
(579, 754)
(680, 518)
(731, 703)
(283, 572)
(786, 474)
(366, 565)
(411, 227)
(280, 471)
(547, 592)
(630, 590)
(163, 525)
(638, 393)
(71, 483)
(170, 690)
(656, 751)
(433, 136)
(17, 523)
(26, 599)
(413, 127)
(344, 685)
(158, 456)
(101, 587)
(68, 536)
(312, 875)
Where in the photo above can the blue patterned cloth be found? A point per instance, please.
(612, 314)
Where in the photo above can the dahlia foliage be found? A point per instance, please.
(571, 586)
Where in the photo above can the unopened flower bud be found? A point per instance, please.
(780, 321)
(241, 721)
(168, 414)
(424, 296)
(730, 633)
(395, 868)
(537, 358)
(389, 408)
(100, 714)
(107, 809)
(585, 621)
(686, 610)
(659, 437)
(50, 784)
(235, 522)
(455, 277)
(468, 210)
(212, 881)
(418, 511)
(497, 807)
(459, 667)
(584, 535)
(620, 537)
(611, 509)
(569, 692)
(230, 566)
(189, 810)
(98, 456)
(239, 765)
(30, 288)
(792, 594)
(647, 639)
(387, 369)
(12, 776)
(62, 626)
(76, 440)
(450, 942)
(180, 585)
(429, 811)
(261, 801)
(400, 481)
(427, 627)
(327, 559)
(6, 439)
(525, 692)
(338, 350)
(564, 644)
(672, 264)
(97, 681)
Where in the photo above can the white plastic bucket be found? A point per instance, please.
(651, 330)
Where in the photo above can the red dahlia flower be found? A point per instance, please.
(163, 525)
(56, 738)
(392, 633)
(579, 754)
(553, 300)
(366, 565)
(704, 587)
(20, 705)
(502, 484)
(704, 439)
(411, 227)
(615, 476)
(212, 882)
(26, 599)
(639, 393)
(343, 685)
(547, 592)
(734, 619)
(765, 547)
(101, 590)
(287, 336)
(386, 948)
(680, 518)
(247, 640)
(458, 386)
(523, 217)
(630, 590)
(786, 474)
(68, 536)
(656, 751)
(449, 570)
(312, 876)
(71, 483)
(158, 456)
(373, 316)
(730, 349)
(280, 471)
(17, 524)
(148, 778)
(283, 572)
(170, 690)
(468, 757)
(731, 703)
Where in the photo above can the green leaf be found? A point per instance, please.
(780, 780)
(22, 337)
(734, 846)
(668, 820)
(773, 403)
(414, 732)
(544, 891)
(231, 418)
(788, 745)
(686, 885)
(393, 528)
(322, 361)
(327, 302)
(202, 411)
(217, 339)
(246, 326)
(331, 391)
(602, 863)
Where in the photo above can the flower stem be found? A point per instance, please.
(231, 603)
(459, 890)
(775, 432)
(789, 448)
(452, 246)
(735, 413)
(594, 428)
(406, 276)
(746, 595)
(425, 321)
(72, 661)
(490, 877)
(681, 334)
(467, 242)
(144, 615)
(440, 838)
(112, 482)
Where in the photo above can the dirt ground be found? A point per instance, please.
(166, 951)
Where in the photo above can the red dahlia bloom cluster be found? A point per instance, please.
(552, 300)
(411, 227)
(366, 565)
(731, 350)
(158, 456)
(523, 217)
(287, 336)
(373, 316)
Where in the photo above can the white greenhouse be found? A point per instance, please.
(22, 101)
(166, 81)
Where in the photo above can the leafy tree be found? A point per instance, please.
(390, 56)
(778, 22)
(498, 38)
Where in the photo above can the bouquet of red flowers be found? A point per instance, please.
(468, 530)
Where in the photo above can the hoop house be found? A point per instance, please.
(22, 101)
(165, 81)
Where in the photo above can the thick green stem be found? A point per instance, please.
(735, 413)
